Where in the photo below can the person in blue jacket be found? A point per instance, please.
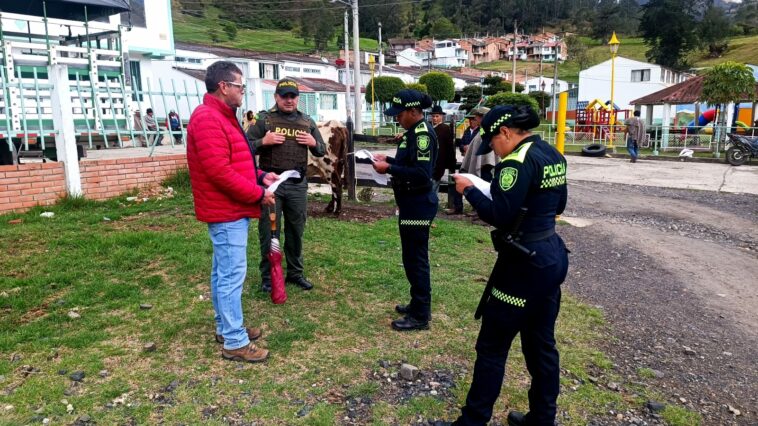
(411, 170)
(523, 294)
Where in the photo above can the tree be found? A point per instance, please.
(439, 86)
(508, 98)
(214, 35)
(385, 88)
(746, 17)
(724, 83)
(714, 30)
(577, 51)
(443, 28)
(668, 27)
(319, 31)
(417, 86)
(543, 99)
(472, 94)
(230, 28)
(494, 84)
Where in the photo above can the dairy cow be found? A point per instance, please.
(331, 167)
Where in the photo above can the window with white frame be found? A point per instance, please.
(312, 70)
(328, 102)
(293, 69)
(640, 75)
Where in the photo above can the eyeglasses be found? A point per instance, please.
(241, 86)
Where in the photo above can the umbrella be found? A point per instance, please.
(278, 293)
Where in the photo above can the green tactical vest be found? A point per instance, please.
(289, 155)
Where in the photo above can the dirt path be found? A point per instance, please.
(675, 271)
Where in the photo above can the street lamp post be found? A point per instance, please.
(347, 71)
(614, 46)
(542, 95)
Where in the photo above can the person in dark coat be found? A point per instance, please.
(446, 155)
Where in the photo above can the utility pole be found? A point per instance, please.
(513, 75)
(347, 71)
(357, 69)
(381, 54)
(539, 84)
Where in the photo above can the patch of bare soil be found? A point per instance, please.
(674, 271)
(365, 213)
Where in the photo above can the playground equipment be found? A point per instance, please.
(705, 118)
(594, 118)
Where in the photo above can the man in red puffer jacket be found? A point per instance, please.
(228, 190)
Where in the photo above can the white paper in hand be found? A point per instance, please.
(282, 177)
(478, 182)
(376, 176)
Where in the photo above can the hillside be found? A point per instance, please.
(741, 49)
(197, 30)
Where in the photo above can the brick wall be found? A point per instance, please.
(27, 185)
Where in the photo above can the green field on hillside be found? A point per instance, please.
(196, 30)
(741, 49)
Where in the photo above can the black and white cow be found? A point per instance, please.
(331, 167)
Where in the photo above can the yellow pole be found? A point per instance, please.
(560, 138)
(373, 105)
(612, 118)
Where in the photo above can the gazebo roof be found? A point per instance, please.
(686, 92)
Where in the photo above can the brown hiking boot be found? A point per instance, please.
(252, 334)
(249, 353)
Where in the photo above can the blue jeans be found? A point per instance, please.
(228, 271)
(633, 148)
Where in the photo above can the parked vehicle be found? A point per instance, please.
(741, 148)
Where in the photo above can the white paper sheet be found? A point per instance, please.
(478, 182)
(282, 177)
(379, 178)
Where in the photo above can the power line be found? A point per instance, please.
(337, 7)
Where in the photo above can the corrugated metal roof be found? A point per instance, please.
(230, 52)
(686, 92)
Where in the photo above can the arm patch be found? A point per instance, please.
(507, 178)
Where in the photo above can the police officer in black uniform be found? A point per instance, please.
(411, 171)
(523, 293)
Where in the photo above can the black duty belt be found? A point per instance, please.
(407, 187)
(531, 237)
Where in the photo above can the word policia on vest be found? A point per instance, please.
(553, 175)
(288, 132)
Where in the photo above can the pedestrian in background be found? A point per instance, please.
(634, 135)
(446, 154)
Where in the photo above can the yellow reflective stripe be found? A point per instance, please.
(415, 222)
(421, 128)
(519, 154)
(511, 300)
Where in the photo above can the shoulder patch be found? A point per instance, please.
(423, 142)
(508, 177)
(519, 154)
(421, 128)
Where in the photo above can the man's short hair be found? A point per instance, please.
(218, 72)
(636, 113)
(149, 110)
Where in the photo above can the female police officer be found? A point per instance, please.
(523, 293)
(411, 171)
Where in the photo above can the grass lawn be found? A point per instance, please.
(70, 296)
(192, 29)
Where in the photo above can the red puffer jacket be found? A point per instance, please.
(222, 172)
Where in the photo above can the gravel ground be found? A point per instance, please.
(675, 272)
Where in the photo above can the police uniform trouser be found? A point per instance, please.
(416, 215)
(291, 201)
(526, 299)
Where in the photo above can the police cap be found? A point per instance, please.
(287, 86)
(519, 117)
(407, 99)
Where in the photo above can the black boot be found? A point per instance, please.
(408, 323)
(266, 286)
(301, 282)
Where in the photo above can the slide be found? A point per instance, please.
(706, 117)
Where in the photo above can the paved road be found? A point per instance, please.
(664, 174)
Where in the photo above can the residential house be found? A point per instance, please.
(633, 79)
(480, 50)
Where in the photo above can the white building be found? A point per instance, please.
(448, 54)
(633, 79)
(414, 57)
(544, 84)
